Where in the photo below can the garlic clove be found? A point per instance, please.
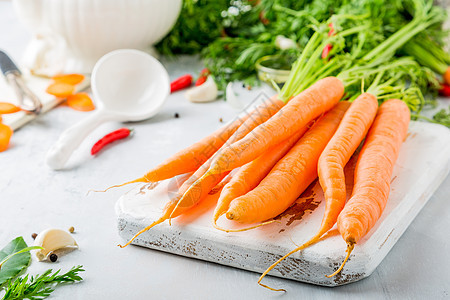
(284, 43)
(232, 100)
(53, 239)
(206, 92)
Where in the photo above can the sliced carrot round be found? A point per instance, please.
(80, 101)
(8, 108)
(60, 90)
(5, 135)
(72, 79)
(447, 76)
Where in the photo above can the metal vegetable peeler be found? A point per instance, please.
(28, 101)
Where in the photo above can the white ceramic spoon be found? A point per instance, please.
(127, 85)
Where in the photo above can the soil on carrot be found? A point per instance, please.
(411, 135)
(306, 202)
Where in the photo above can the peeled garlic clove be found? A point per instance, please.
(203, 93)
(284, 43)
(51, 240)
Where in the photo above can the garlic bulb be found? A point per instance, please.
(51, 240)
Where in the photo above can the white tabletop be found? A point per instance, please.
(34, 197)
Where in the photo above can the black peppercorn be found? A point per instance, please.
(53, 257)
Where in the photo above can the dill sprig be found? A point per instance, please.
(40, 286)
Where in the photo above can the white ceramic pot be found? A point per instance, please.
(71, 35)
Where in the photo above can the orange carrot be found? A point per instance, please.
(299, 111)
(5, 135)
(196, 157)
(251, 174)
(290, 176)
(346, 140)
(72, 79)
(373, 173)
(8, 108)
(190, 158)
(60, 89)
(198, 186)
(80, 101)
(256, 117)
(351, 131)
(193, 191)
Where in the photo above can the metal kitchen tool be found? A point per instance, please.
(127, 85)
(28, 101)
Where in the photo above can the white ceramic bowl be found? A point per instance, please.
(74, 34)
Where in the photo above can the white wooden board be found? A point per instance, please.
(423, 164)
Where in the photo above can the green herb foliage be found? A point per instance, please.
(232, 35)
(40, 286)
(443, 117)
(12, 266)
(200, 23)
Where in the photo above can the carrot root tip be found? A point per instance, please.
(142, 179)
(350, 247)
(271, 288)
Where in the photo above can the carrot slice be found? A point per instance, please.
(60, 89)
(8, 108)
(5, 135)
(447, 76)
(71, 79)
(80, 101)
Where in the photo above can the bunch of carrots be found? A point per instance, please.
(326, 110)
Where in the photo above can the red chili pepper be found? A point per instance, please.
(181, 83)
(328, 47)
(109, 138)
(203, 76)
(326, 50)
(331, 32)
(445, 90)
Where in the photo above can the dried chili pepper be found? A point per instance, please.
(181, 83)
(445, 90)
(109, 138)
(328, 47)
(203, 76)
